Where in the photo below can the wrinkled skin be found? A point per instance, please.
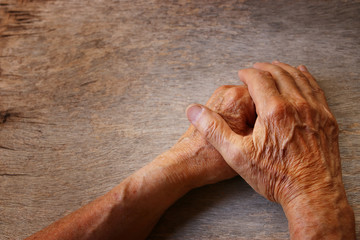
(235, 105)
(292, 154)
(294, 148)
(132, 208)
(289, 154)
(294, 142)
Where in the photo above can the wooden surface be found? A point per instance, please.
(90, 91)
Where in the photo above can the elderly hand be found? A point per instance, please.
(203, 163)
(132, 208)
(291, 156)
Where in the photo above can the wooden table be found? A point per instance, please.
(91, 91)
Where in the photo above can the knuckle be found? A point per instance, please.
(256, 74)
(308, 92)
(235, 92)
(241, 71)
(307, 112)
(297, 74)
(223, 88)
(278, 110)
(335, 127)
(280, 72)
(244, 71)
(331, 120)
(319, 91)
(300, 78)
(235, 106)
(304, 107)
(264, 75)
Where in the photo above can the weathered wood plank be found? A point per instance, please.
(90, 91)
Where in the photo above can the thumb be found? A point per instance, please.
(215, 129)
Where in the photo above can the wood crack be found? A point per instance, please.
(13, 174)
(87, 83)
(4, 117)
(7, 148)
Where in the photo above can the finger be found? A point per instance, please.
(317, 91)
(311, 79)
(284, 81)
(261, 86)
(300, 80)
(236, 107)
(216, 131)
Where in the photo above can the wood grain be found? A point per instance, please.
(90, 91)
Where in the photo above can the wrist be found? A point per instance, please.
(182, 164)
(158, 182)
(193, 162)
(200, 163)
(321, 215)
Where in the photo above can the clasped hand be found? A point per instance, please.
(287, 150)
(291, 148)
(276, 132)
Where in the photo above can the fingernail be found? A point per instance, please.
(303, 68)
(275, 62)
(193, 112)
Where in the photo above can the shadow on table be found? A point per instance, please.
(203, 208)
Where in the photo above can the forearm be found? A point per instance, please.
(129, 211)
(320, 215)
